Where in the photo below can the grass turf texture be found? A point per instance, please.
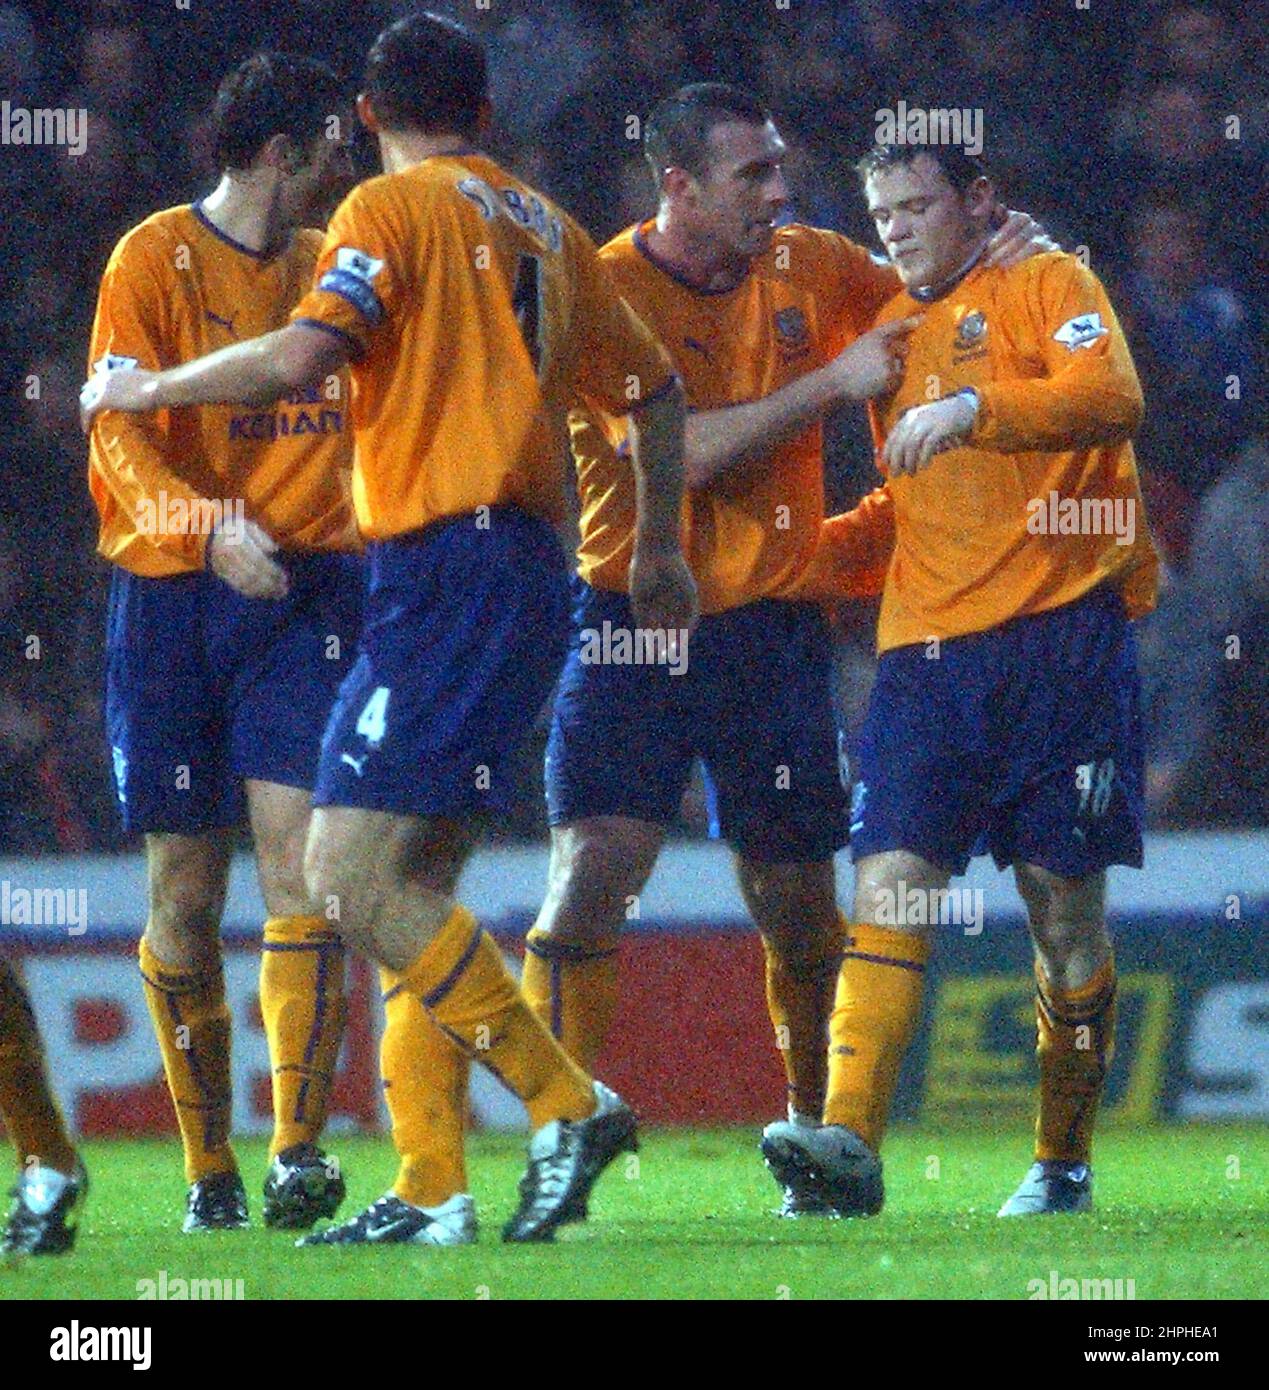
(692, 1220)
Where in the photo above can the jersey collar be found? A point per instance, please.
(927, 294)
(641, 245)
(197, 209)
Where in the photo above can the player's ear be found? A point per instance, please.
(981, 202)
(278, 152)
(366, 113)
(293, 158)
(675, 181)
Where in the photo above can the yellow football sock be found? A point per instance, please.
(1075, 1031)
(799, 1001)
(573, 990)
(191, 1023)
(462, 982)
(302, 1004)
(875, 1014)
(425, 1085)
(27, 1105)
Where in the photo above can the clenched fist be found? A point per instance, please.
(243, 558)
(873, 364)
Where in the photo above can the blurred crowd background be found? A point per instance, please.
(1134, 130)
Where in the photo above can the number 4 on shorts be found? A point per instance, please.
(372, 723)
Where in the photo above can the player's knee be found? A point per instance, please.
(1067, 918)
(330, 881)
(804, 952)
(885, 882)
(1071, 954)
(343, 890)
(1061, 936)
(283, 885)
(280, 820)
(183, 930)
(794, 907)
(187, 906)
(1036, 897)
(1062, 907)
(796, 915)
(597, 873)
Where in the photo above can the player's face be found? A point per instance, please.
(737, 200)
(319, 185)
(926, 226)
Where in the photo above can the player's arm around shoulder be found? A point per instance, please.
(256, 372)
(1084, 392)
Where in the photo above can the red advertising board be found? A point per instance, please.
(691, 1043)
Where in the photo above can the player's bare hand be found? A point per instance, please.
(1018, 236)
(242, 555)
(873, 364)
(926, 430)
(127, 388)
(662, 591)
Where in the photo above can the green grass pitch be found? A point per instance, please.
(1180, 1211)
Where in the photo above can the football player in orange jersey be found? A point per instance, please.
(768, 326)
(473, 312)
(234, 608)
(1004, 716)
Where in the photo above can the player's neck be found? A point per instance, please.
(401, 150)
(246, 210)
(971, 255)
(694, 259)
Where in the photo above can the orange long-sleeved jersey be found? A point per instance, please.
(752, 531)
(852, 556)
(175, 288)
(476, 310)
(1043, 502)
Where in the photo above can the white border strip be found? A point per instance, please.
(1194, 873)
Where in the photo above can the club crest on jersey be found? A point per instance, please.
(971, 331)
(1081, 331)
(791, 329)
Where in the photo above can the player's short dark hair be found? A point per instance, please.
(676, 133)
(272, 94)
(960, 169)
(427, 73)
